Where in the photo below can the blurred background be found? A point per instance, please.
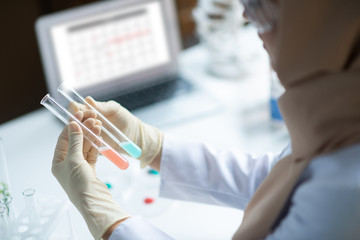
(22, 78)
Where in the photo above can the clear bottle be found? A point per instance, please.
(31, 207)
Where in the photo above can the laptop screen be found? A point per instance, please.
(111, 44)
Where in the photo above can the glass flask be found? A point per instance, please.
(31, 207)
(8, 202)
(3, 220)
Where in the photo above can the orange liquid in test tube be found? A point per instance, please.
(115, 157)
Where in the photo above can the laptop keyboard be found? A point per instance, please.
(156, 93)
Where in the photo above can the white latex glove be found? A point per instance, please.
(148, 138)
(74, 168)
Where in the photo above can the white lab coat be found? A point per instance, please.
(325, 203)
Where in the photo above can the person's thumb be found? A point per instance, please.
(75, 139)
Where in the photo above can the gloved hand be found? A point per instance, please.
(148, 138)
(74, 168)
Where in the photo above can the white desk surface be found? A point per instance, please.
(242, 123)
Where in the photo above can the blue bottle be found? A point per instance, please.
(276, 90)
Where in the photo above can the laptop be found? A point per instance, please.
(127, 51)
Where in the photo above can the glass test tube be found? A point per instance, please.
(104, 148)
(107, 128)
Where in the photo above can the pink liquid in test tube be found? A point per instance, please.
(115, 157)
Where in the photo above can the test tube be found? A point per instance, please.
(107, 127)
(104, 148)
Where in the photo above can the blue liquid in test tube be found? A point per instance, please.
(132, 149)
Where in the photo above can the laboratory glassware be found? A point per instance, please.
(8, 202)
(10, 214)
(3, 220)
(43, 217)
(114, 134)
(143, 196)
(4, 177)
(218, 25)
(31, 207)
(104, 148)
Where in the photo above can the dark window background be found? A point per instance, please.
(22, 79)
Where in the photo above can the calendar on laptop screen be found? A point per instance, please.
(110, 45)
